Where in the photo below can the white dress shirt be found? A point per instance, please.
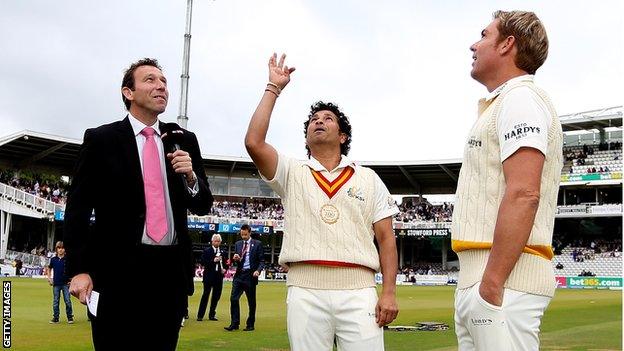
(137, 126)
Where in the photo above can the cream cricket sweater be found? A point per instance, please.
(480, 190)
(309, 237)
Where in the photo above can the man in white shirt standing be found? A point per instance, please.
(334, 210)
(507, 192)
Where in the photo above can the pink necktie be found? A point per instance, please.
(156, 219)
(244, 253)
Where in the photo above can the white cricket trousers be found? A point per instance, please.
(514, 326)
(315, 316)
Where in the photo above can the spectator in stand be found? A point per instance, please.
(60, 283)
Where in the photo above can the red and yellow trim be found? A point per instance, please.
(543, 251)
(331, 188)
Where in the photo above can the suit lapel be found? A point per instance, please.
(127, 142)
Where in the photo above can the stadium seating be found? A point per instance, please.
(602, 265)
(601, 158)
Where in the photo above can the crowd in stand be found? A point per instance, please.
(250, 209)
(579, 157)
(600, 246)
(416, 212)
(424, 269)
(587, 249)
(614, 145)
(42, 186)
(571, 154)
(35, 250)
(272, 209)
(580, 255)
(41, 251)
(600, 169)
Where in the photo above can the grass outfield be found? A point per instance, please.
(575, 320)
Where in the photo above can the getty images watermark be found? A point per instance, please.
(6, 314)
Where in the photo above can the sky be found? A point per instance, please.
(399, 69)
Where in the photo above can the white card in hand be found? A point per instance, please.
(92, 302)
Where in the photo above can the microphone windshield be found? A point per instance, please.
(171, 134)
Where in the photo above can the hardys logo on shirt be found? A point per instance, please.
(520, 131)
(474, 142)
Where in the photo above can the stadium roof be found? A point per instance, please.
(46, 151)
(594, 119)
(27, 148)
(401, 177)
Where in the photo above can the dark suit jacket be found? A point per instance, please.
(207, 260)
(256, 256)
(108, 180)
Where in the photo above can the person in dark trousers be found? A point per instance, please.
(214, 268)
(59, 281)
(248, 255)
(139, 177)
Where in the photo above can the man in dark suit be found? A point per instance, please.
(214, 268)
(136, 260)
(249, 256)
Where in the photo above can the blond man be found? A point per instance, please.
(507, 192)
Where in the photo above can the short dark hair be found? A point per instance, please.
(246, 227)
(343, 124)
(128, 78)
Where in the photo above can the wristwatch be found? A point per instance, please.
(193, 178)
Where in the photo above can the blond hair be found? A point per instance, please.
(530, 35)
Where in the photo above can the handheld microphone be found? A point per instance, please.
(172, 136)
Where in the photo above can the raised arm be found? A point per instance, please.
(262, 153)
